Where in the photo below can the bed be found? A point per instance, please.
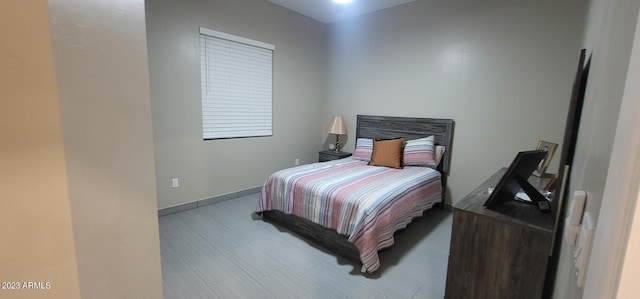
(351, 208)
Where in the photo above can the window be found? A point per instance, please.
(236, 77)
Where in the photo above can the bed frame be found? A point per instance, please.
(368, 126)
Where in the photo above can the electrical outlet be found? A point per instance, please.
(175, 183)
(297, 162)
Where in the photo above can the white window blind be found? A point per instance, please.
(236, 75)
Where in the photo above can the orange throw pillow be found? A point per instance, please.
(387, 153)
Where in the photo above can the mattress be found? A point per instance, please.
(365, 203)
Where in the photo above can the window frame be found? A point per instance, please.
(232, 121)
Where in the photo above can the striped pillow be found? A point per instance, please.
(420, 152)
(364, 148)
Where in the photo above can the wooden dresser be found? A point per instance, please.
(500, 252)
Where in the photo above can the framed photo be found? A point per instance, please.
(551, 185)
(550, 148)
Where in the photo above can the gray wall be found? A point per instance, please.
(503, 70)
(608, 38)
(211, 168)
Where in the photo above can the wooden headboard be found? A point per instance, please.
(387, 127)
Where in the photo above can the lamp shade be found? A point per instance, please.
(337, 126)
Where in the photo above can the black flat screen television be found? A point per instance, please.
(516, 178)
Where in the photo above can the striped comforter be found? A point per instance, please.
(366, 203)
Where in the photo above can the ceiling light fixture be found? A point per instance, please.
(343, 1)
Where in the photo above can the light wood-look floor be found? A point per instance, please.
(225, 251)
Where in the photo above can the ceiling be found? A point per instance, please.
(327, 11)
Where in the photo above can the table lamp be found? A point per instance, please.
(337, 126)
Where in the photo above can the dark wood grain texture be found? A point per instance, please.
(388, 127)
(318, 234)
(510, 212)
(324, 156)
(500, 252)
(368, 126)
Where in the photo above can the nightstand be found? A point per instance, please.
(324, 156)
